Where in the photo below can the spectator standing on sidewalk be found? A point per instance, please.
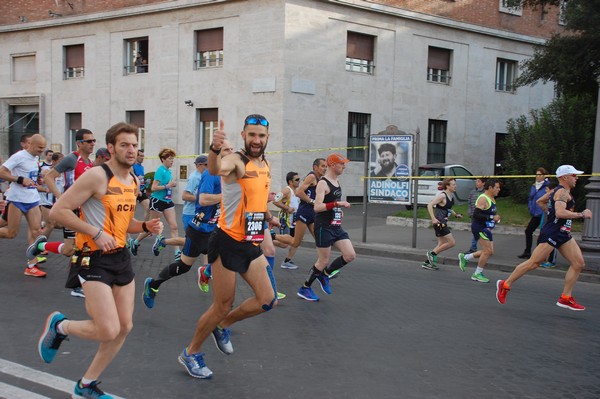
(440, 209)
(537, 190)
(556, 233)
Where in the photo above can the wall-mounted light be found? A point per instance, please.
(189, 103)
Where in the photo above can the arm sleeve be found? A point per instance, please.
(67, 163)
(480, 216)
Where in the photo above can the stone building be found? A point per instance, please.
(324, 72)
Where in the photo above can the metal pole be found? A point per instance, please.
(365, 188)
(591, 229)
(415, 172)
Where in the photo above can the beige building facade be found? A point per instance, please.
(325, 73)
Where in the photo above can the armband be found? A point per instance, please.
(145, 228)
(330, 205)
(20, 180)
(98, 235)
(213, 150)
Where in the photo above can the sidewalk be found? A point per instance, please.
(389, 236)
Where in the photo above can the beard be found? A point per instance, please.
(254, 153)
(387, 165)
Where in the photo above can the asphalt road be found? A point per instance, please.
(390, 330)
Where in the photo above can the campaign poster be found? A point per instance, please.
(390, 160)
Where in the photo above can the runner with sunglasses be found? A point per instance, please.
(234, 246)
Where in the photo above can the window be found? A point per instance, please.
(360, 53)
(136, 56)
(208, 122)
(137, 118)
(209, 48)
(74, 61)
(436, 141)
(438, 65)
(562, 9)
(506, 73)
(513, 7)
(73, 123)
(359, 126)
(23, 68)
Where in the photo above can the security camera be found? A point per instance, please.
(189, 103)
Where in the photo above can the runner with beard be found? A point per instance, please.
(234, 246)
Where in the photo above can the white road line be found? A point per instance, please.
(38, 377)
(12, 392)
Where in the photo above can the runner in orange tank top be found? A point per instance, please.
(106, 196)
(234, 245)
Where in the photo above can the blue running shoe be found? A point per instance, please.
(90, 391)
(324, 283)
(159, 244)
(133, 246)
(221, 337)
(51, 339)
(33, 250)
(149, 293)
(194, 364)
(308, 294)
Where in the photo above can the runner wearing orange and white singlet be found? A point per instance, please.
(234, 245)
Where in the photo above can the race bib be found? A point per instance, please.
(566, 228)
(336, 220)
(490, 224)
(169, 194)
(254, 229)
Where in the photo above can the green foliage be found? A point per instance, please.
(571, 59)
(561, 133)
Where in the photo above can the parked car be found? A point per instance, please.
(429, 188)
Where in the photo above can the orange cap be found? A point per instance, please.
(336, 158)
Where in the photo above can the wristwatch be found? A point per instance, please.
(213, 150)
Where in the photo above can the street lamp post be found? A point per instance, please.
(591, 229)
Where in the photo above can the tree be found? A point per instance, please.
(571, 59)
(560, 133)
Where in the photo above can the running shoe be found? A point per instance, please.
(90, 391)
(281, 295)
(289, 265)
(149, 293)
(33, 250)
(308, 294)
(429, 266)
(34, 272)
(51, 339)
(40, 259)
(203, 279)
(480, 278)
(548, 265)
(324, 283)
(177, 255)
(221, 337)
(431, 258)
(77, 292)
(569, 303)
(194, 364)
(133, 246)
(159, 244)
(334, 274)
(501, 291)
(462, 262)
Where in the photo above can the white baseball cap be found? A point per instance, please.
(567, 170)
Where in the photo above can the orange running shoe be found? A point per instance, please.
(34, 272)
(501, 292)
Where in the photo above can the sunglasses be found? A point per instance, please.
(298, 179)
(539, 174)
(89, 141)
(253, 120)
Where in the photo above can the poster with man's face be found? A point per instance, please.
(390, 160)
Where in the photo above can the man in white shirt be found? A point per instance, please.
(22, 169)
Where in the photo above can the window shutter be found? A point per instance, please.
(209, 115)
(439, 58)
(137, 118)
(361, 47)
(210, 39)
(75, 56)
(74, 121)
